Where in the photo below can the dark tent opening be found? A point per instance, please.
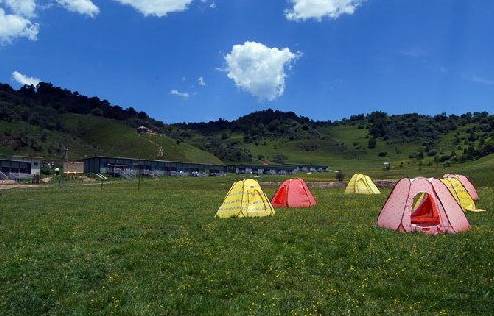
(425, 212)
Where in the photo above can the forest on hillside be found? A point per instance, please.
(470, 135)
(41, 106)
(473, 133)
(31, 116)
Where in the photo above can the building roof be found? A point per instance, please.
(21, 158)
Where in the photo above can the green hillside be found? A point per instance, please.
(87, 135)
(110, 137)
(363, 142)
(339, 147)
(45, 120)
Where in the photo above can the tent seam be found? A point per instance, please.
(444, 209)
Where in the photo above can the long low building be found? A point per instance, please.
(18, 168)
(129, 167)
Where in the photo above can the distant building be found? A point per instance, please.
(145, 130)
(17, 168)
(129, 167)
(73, 167)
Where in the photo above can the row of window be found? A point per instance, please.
(94, 165)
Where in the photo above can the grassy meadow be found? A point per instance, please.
(80, 250)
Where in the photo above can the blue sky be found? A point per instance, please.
(345, 57)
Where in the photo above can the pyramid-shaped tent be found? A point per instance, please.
(423, 205)
(245, 199)
(293, 193)
(466, 183)
(460, 194)
(361, 184)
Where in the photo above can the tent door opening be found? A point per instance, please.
(282, 197)
(425, 211)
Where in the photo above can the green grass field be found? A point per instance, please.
(79, 250)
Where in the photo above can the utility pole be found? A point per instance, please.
(66, 154)
(139, 175)
(139, 180)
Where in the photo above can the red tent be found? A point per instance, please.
(293, 193)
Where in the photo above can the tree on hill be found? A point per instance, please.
(372, 143)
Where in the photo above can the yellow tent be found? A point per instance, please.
(460, 194)
(361, 184)
(245, 199)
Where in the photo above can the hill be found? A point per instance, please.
(45, 121)
(360, 142)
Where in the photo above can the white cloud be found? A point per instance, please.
(482, 80)
(18, 22)
(258, 69)
(212, 4)
(183, 95)
(318, 9)
(23, 79)
(15, 26)
(157, 8)
(86, 7)
(201, 82)
(25, 8)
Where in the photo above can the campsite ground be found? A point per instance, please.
(79, 250)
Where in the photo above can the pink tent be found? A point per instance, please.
(293, 193)
(437, 211)
(466, 183)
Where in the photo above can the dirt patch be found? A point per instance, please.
(19, 186)
(7, 182)
(387, 184)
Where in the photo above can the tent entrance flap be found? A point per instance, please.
(425, 211)
(281, 197)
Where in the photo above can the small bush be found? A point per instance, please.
(432, 153)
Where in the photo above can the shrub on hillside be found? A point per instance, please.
(372, 143)
(279, 158)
